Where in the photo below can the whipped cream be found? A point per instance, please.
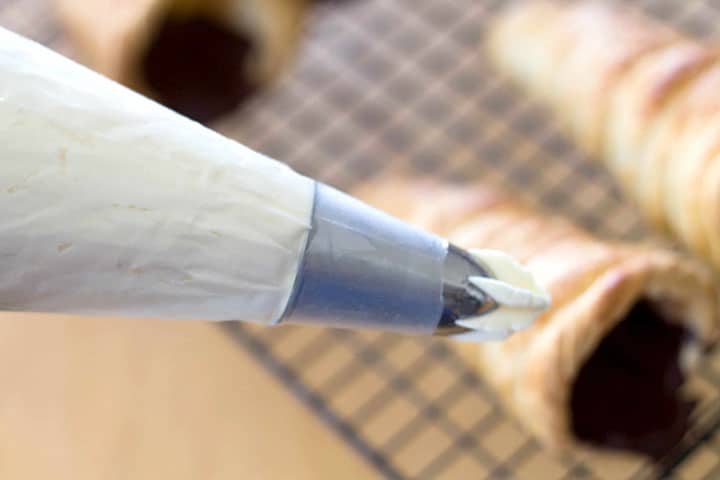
(519, 297)
(114, 205)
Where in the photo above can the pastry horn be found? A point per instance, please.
(199, 57)
(634, 94)
(618, 309)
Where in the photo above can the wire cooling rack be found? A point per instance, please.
(402, 85)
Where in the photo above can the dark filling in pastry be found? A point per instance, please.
(626, 395)
(199, 68)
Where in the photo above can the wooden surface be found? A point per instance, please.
(120, 399)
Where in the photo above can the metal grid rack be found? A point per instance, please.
(402, 85)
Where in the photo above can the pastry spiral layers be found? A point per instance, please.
(643, 98)
(603, 293)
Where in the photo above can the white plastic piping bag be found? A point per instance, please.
(113, 204)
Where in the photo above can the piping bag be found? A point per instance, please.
(113, 205)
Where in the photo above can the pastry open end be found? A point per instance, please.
(640, 97)
(201, 58)
(604, 365)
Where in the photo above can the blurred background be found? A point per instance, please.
(341, 91)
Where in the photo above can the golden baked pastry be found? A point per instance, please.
(199, 57)
(603, 366)
(640, 97)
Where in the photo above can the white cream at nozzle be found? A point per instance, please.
(520, 299)
(113, 204)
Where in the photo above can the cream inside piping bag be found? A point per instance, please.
(115, 205)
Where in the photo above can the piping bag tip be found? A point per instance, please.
(511, 299)
(364, 269)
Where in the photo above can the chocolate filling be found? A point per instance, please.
(626, 395)
(199, 68)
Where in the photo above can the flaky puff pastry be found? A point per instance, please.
(593, 283)
(644, 99)
(115, 37)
